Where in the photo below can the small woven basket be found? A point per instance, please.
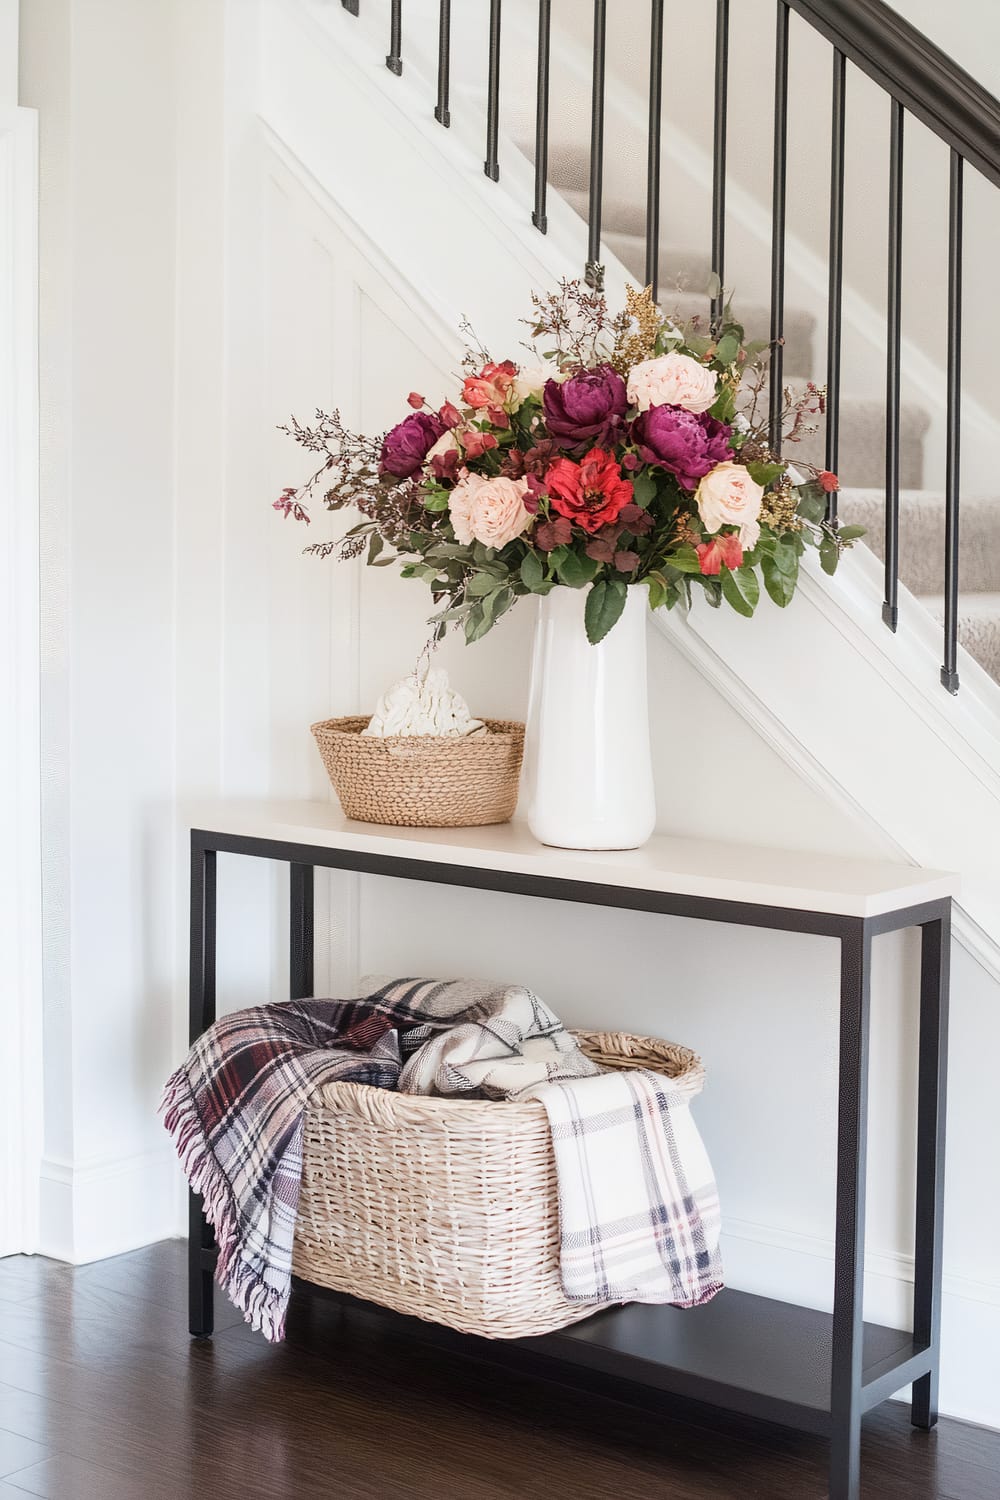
(423, 781)
(447, 1209)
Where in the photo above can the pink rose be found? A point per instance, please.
(727, 496)
(672, 380)
(490, 511)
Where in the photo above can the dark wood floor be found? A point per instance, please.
(104, 1397)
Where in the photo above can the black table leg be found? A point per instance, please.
(201, 1241)
(849, 1261)
(300, 944)
(935, 955)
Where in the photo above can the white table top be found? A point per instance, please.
(688, 867)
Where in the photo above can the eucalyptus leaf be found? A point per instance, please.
(603, 608)
(481, 584)
(728, 348)
(532, 571)
(851, 533)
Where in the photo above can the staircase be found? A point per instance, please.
(683, 280)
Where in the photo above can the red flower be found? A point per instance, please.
(415, 400)
(592, 492)
(475, 444)
(724, 548)
(490, 386)
(450, 415)
(829, 481)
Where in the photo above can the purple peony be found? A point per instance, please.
(408, 444)
(586, 408)
(685, 443)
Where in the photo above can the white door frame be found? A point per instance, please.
(20, 818)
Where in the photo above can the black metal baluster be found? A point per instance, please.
(835, 297)
(492, 164)
(538, 217)
(394, 60)
(719, 155)
(890, 606)
(594, 274)
(778, 181)
(949, 671)
(441, 111)
(353, 7)
(653, 148)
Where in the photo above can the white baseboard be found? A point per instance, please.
(96, 1209)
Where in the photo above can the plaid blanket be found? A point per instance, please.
(235, 1111)
(639, 1213)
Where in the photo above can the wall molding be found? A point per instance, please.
(20, 782)
(83, 1214)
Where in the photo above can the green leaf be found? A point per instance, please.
(685, 559)
(658, 590)
(576, 569)
(780, 584)
(851, 533)
(765, 474)
(811, 504)
(481, 584)
(498, 603)
(713, 286)
(643, 488)
(728, 348)
(741, 589)
(603, 608)
(476, 623)
(438, 500)
(829, 554)
(374, 547)
(532, 571)
(786, 559)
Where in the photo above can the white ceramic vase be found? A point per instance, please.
(588, 769)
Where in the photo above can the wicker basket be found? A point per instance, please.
(447, 1209)
(423, 781)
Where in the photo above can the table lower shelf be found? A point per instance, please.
(747, 1354)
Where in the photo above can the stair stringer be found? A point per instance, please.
(931, 787)
(872, 730)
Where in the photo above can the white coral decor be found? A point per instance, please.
(423, 705)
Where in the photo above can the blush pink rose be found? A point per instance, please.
(491, 511)
(672, 380)
(727, 496)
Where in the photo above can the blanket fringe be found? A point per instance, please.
(262, 1306)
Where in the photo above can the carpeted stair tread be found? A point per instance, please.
(921, 537)
(978, 626)
(862, 441)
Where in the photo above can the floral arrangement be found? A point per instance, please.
(631, 450)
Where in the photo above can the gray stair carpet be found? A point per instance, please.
(683, 277)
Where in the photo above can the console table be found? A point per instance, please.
(816, 1371)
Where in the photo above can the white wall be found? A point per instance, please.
(198, 284)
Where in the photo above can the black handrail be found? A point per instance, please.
(910, 67)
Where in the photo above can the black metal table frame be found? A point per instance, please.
(851, 1394)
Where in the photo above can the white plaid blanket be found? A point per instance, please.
(639, 1213)
(235, 1107)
